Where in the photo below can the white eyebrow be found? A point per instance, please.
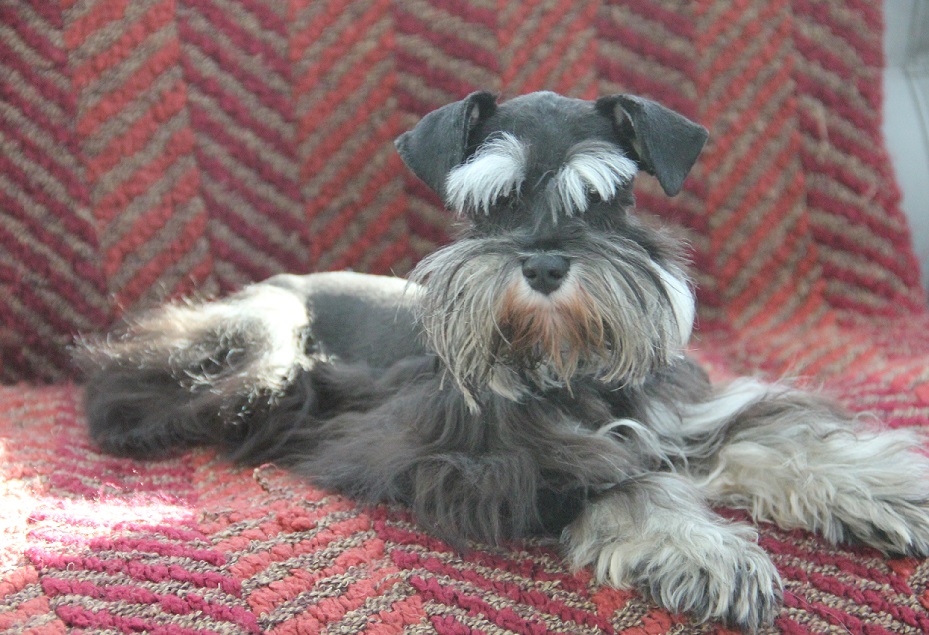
(498, 167)
(598, 166)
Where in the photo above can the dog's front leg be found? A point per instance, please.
(796, 459)
(655, 534)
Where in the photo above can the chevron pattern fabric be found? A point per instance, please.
(159, 148)
(96, 544)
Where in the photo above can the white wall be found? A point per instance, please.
(906, 113)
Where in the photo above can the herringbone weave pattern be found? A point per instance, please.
(156, 148)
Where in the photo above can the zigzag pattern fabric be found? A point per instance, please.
(158, 148)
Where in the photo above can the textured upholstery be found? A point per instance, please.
(156, 148)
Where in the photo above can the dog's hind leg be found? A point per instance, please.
(657, 535)
(796, 459)
(179, 375)
(193, 373)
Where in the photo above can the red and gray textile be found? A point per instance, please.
(156, 148)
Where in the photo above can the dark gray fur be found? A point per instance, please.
(497, 411)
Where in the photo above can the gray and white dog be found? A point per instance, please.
(530, 379)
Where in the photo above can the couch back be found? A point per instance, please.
(157, 148)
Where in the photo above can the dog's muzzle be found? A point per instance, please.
(510, 321)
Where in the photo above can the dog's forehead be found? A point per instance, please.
(548, 124)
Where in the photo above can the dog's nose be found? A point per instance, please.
(545, 272)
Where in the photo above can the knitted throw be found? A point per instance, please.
(157, 148)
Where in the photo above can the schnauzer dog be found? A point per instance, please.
(531, 377)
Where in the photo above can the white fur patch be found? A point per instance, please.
(498, 168)
(594, 166)
(682, 302)
(705, 418)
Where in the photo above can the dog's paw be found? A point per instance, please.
(886, 505)
(882, 501)
(738, 586)
(711, 573)
(895, 526)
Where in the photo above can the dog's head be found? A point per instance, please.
(553, 277)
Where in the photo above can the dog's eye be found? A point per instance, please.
(593, 196)
(507, 200)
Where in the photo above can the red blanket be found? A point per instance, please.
(151, 148)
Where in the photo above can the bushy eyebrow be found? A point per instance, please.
(592, 165)
(498, 167)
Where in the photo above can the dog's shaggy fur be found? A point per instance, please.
(531, 378)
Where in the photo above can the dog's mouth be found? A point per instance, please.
(562, 332)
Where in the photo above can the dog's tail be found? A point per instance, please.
(192, 373)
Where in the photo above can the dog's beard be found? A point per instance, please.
(558, 332)
(617, 317)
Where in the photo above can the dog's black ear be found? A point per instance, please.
(439, 141)
(664, 143)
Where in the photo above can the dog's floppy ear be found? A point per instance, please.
(663, 142)
(439, 141)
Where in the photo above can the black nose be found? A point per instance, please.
(545, 272)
